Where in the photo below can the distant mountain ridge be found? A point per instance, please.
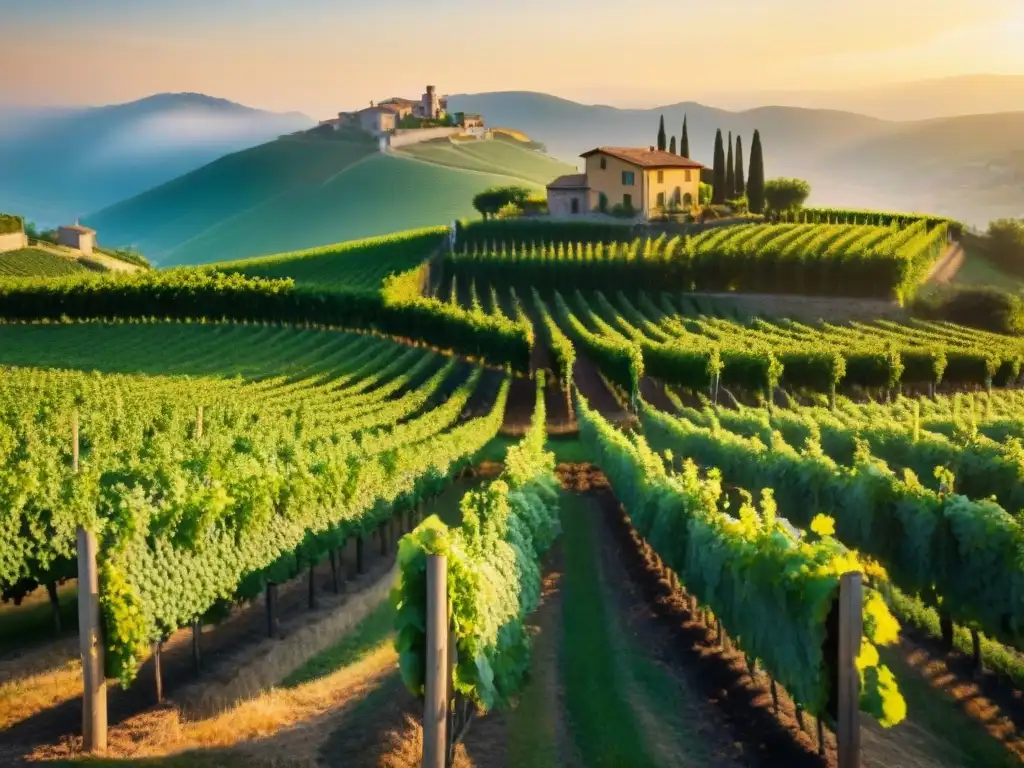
(970, 167)
(62, 163)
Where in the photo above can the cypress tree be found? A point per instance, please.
(718, 184)
(672, 144)
(661, 134)
(740, 185)
(755, 179)
(730, 173)
(684, 141)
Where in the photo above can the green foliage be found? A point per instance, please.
(510, 211)
(786, 194)
(838, 260)
(399, 310)
(989, 309)
(705, 194)
(661, 134)
(480, 235)
(1003, 245)
(672, 144)
(559, 344)
(755, 179)
(719, 189)
(356, 264)
(494, 578)
(621, 361)
(10, 224)
(771, 590)
(684, 140)
(187, 521)
(943, 547)
(491, 201)
(902, 220)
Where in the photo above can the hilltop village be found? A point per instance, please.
(397, 121)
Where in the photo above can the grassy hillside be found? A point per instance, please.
(307, 192)
(505, 155)
(32, 262)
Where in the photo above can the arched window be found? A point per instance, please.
(574, 205)
(687, 199)
(677, 195)
(602, 201)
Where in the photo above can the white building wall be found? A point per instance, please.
(13, 241)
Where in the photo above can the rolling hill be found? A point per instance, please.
(307, 191)
(975, 94)
(970, 167)
(62, 163)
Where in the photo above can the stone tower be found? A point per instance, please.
(430, 105)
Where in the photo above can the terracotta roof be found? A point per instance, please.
(80, 229)
(379, 108)
(400, 100)
(571, 181)
(645, 157)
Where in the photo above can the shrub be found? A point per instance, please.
(1004, 244)
(738, 204)
(491, 200)
(623, 211)
(10, 224)
(989, 309)
(704, 193)
(786, 194)
(509, 211)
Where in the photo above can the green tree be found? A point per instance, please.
(1004, 244)
(684, 141)
(740, 187)
(661, 134)
(672, 144)
(492, 200)
(704, 193)
(755, 179)
(730, 173)
(782, 195)
(718, 186)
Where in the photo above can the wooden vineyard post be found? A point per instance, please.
(199, 422)
(851, 596)
(334, 571)
(435, 705)
(94, 693)
(312, 586)
(197, 635)
(51, 591)
(271, 605)
(158, 677)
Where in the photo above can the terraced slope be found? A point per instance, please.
(33, 262)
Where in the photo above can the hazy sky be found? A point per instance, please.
(319, 56)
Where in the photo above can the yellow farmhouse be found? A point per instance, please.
(646, 181)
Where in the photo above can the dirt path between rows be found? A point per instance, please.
(946, 268)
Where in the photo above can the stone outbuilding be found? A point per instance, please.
(78, 237)
(568, 195)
